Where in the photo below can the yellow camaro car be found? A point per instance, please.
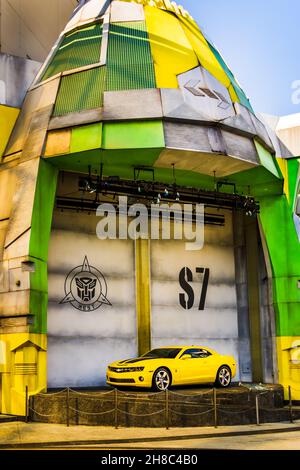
(162, 367)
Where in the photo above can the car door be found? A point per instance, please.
(199, 368)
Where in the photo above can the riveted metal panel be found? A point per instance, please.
(132, 104)
(79, 91)
(78, 48)
(129, 60)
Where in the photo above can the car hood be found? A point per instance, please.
(133, 361)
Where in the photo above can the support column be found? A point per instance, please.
(143, 296)
(252, 256)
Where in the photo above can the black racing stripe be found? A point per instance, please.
(138, 359)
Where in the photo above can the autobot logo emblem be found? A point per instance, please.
(85, 288)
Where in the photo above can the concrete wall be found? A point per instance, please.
(29, 28)
(217, 325)
(82, 344)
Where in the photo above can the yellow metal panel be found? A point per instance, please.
(22, 363)
(288, 357)
(171, 50)
(282, 162)
(58, 143)
(8, 117)
(233, 94)
(203, 51)
(143, 302)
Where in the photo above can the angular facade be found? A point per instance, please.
(134, 101)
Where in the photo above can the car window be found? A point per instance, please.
(163, 353)
(197, 353)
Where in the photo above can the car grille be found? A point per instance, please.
(123, 381)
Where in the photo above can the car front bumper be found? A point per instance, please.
(142, 379)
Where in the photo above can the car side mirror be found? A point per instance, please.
(186, 356)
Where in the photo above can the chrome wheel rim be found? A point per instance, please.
(224, 376)
(162, 380)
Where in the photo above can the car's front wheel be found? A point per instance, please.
(223, 378)
(161, 380)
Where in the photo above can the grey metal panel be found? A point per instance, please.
(205, 94)
(261, 131)
(132, 104)
(174, 106)
(240, 147)
(76, 119)
(123, 11)
(241, 121)
(104, 42)
(186, 136)
(201, 162)
(34, 143)
(92, 9)
(35, 100)
(16, 76)
(215, 139)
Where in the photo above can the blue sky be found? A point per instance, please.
(260, 41)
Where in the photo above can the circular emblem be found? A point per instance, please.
(85, 288)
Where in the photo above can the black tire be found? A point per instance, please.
(223, 378)
(161, 380)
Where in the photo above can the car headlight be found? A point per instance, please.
(126, 369)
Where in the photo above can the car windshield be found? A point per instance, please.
(163, 353)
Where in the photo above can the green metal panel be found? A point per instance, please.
(284, 249)
(241, 95)
(39, 242)
(79, 48)
(86, 138)
(266, 159)
(125, 135)
(80, 91)
(129, 61)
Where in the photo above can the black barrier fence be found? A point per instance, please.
(164, 409)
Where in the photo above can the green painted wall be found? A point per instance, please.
(39, 242)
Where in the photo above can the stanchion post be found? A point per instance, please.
(257, 409)
(26, 404)
(67, 407)
(167, 408)
(290, 404)
(215, 408)
(116, 408)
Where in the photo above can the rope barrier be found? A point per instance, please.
(40, 414)
(142, 415)
(85, 394)
(236, 411)
(49, 395)
(91, 414)
(191, 414)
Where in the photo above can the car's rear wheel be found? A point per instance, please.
(161, 380)
(223, 378)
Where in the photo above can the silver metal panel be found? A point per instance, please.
(76, 119)
(261, 131)
(174, 106)
(90, 10)
(241, 121)
(104, 42)
(123, 11)
(187, 137)
(132, 104)
(35, 100)
(206, 94)
(215, 139)
(16, 76)
(201, 162)
(240, 147)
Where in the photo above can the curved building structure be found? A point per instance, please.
(134, 101)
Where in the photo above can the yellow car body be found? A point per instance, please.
(183, 365)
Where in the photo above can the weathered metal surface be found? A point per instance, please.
(16, 76)
(132, 104)
(123, 11)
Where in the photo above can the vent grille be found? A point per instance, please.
(122, 381)
(129, 60)
(29, 368)
(80, 91)
(79, 48)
